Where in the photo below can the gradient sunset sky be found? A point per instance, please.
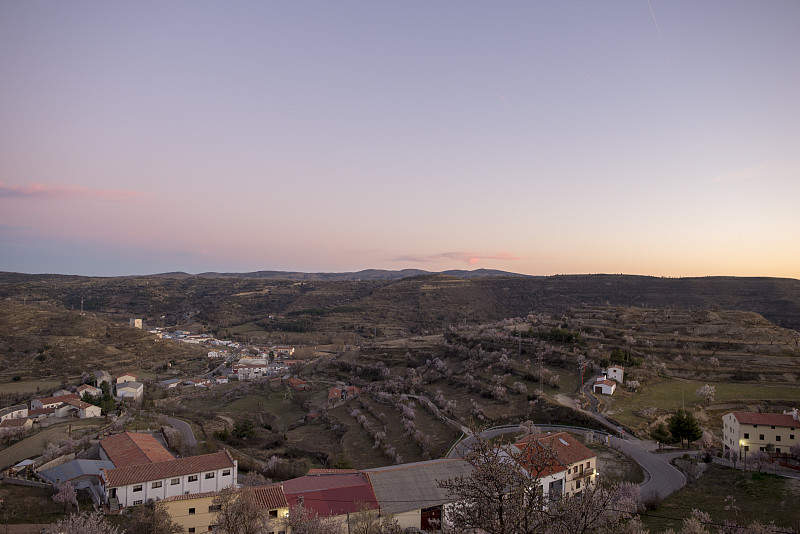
(550, 137)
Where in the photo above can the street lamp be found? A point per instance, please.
(742, 446)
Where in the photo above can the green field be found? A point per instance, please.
(26, 386)
(752, 492)
(670, 394)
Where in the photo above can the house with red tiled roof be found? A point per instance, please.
(20, 424)
(126, 377)
(550, 455)
(331, 494)
(137, 484)
(14, 412)
(298, 384)
(604, 386)
(131, 448)
(66, 406)
(753, 431)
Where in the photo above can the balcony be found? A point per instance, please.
(586, 474)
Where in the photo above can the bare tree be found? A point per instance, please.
(504, 495)
(85, 523)
(302, 520)
(240, 513)
(66, 495)
(706, 392)
(369, 521)
(146, 519)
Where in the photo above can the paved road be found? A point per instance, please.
(661, 477)
(185, 430)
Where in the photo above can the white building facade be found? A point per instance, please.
(139, 484)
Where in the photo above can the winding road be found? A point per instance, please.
(185, 430)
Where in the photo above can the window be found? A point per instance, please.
(273, 513)
(214, 508)
(569, 471)
(777, 449)
(155, 485)
(135, 503)
(773, 427)
(755, 426)
(175, 481)
(192, 478)
(791, 436)
(746, 435)
(226, 472)
(778, 437)
(747, 448)
(761, 437)
(588, 465)
(210, 475)
(578, 485)
(191, 511)
(191, 529)
(137, 487)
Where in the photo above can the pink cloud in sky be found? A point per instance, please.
(69, 192)
(470, 258)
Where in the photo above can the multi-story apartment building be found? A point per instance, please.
(753, 431)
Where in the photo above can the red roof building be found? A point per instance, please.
(753, 431)
(331, 494)
(129, 448)
(298, 384)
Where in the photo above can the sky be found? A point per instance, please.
(553, 137)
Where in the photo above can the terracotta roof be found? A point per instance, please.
(334, 393)
(771, 419)
(270, 497)
(130, 448)
(59, 399)
(171, 468)
(12, 423)
(331, 471)
(565, 448)
(190, 496)
(78, 403)
(331, 494)
(606, 382)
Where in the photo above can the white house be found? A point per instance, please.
(250, 369)
(102, 376)
(66, 405)
(127, 377)
(170, 384)
(130, 391)
(615, 372)
(138, 484)
(605, 386)
(13, 412)
(91, 390)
